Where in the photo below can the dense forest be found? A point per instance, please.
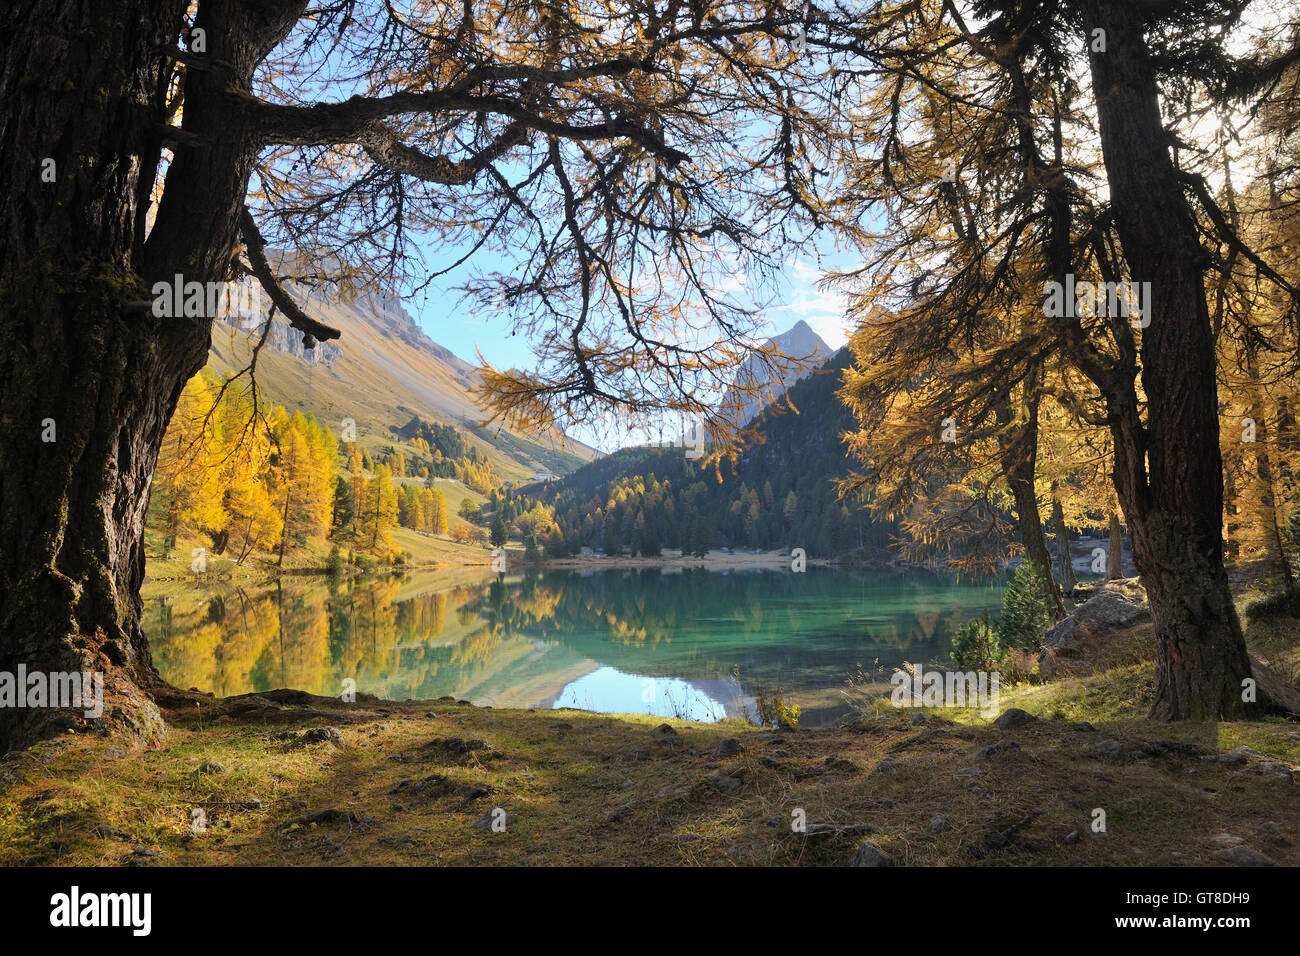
(779, 491)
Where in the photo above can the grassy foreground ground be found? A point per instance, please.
(290, 779)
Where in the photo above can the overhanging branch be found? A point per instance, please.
(300, 320)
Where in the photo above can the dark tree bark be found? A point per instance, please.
(1168, 473)
(1062, 535)
(83, 84)
(1018, 447)
(1115, 559)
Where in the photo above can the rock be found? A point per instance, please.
(1103, 613)
(331, 735)
(819, 832)
(495, 816)
(329, 815)
(886, 765)
(771, 737)
(1242, 856)
(1013, 717)
(729, 747)
(676, 793)
(1002, 746)
(1111, 748)
(1228, 839)
(1238, 756)
(679, 837)
(621, 812)
(563, 725)
(1072, 836)
(1084, 726)
(458, 746)
(868, 854)
(840, 765)
(210, 767)
(916, 720)
(663, 730)
(1280, 770)
(106, 832)
(1274, 833)
(752, 853)
(938, 824)
(968, 772)
(724, 783)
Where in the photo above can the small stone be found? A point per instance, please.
(886, 765)
(331, 735)
(840, 765)
(106, 832)
(1228, 839)
(828, 831)
(994, 749)
(938, 824)
(1274, 833)
(1083, 725)
(724, 783)
(968, 772)
(1013, 717)
(677, 793)
(729, 747)
(916, 720)
(869, 854)
(752, 853)
(1242, 856)
(1111, 748)
(1072, 836)
(663, 730)
(496, 816)
(1238, 756)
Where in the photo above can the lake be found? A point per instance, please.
(693, 643)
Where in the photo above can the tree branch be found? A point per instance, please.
(311, 329)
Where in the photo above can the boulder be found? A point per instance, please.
(869, 854)
(1103, 613)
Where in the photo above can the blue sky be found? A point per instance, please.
(452, 321)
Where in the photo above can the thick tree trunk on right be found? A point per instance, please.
(1168, 470)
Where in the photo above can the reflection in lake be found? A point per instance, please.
(690, 643)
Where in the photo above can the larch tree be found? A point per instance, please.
(630, 154)
(1055, 73)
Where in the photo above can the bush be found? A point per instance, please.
(1275, 605)
(335, 563)
(976, 646)
(1026, 610)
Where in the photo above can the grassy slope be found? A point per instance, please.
(589, 788)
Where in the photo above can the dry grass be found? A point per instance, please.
(583, 788)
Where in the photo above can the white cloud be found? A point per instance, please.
(824, 311)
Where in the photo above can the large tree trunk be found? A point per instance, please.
(1169, 474)
(83, 84)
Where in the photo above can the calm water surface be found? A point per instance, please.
(676, 643)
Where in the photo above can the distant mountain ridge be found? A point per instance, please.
(803, 351)
(382, 372)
